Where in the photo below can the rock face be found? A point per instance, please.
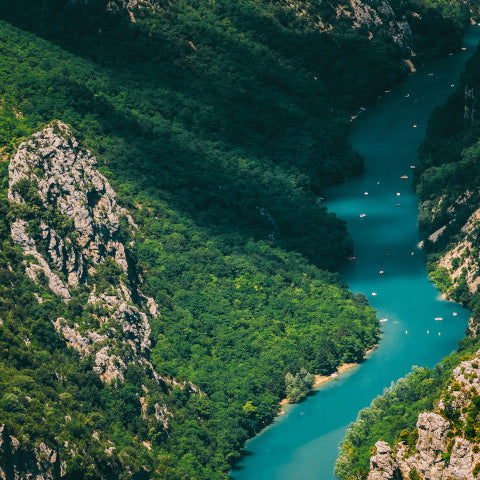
(377, 17)
(378, 14)
(57, 187)
(457, 260)
(442, 451)
(38, 463)
(383, 465)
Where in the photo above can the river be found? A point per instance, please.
(303, 444)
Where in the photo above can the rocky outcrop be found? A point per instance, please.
(377, 17)
(57, 187)
(18, 463)
(458, 261)
(441, 452)
(383, 465)
(378, 14)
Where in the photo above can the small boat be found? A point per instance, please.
(350, 259)
(415, 125)
(464, 48)
(374, 294)
(396, 321)
(387, 91)
(366, 193)
(430, 74)
(439, 333)
(397, 204)
(381, 272)
(363, 215)
(384, 320)
(412, 166)
(412, 253)
(438, 318)
(454, 314)
(407, 95)
(406, 332)
(452, 85)
(428, 332)
(404, 176)
(398, 194)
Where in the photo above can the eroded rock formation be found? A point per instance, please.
(57, 187)
(441, 452)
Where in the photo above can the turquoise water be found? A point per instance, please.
(303, 444)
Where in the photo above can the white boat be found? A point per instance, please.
(438, 318)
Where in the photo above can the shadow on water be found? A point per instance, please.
(304, 443)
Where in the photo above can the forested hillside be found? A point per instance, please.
(447, 182)
(215, 126)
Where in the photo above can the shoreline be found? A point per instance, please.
(322, 379)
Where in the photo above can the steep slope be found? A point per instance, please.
(89, 256)
(70, 223)
(448, 446)
(447, 182)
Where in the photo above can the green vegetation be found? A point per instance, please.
(392, 417)
(218, 123)
(298, 386)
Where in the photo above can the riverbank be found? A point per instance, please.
(304, 443)
(321, 379)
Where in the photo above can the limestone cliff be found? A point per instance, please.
(376, 17)
(447, 446)
(54, 187)
(57, 183)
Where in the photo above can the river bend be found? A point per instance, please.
(303, 444)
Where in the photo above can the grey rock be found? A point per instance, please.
(383, 465)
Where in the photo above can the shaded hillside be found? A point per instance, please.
(236, 113)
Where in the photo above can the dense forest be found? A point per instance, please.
(218, 124)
